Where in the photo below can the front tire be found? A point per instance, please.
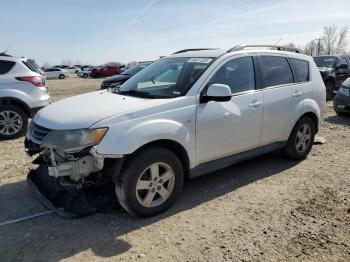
(61, 76)
(85, 75)
(13, 122)
(301, 139)
(150, 182)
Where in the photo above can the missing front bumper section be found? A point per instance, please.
(70, 202)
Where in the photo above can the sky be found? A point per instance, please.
(96, 32)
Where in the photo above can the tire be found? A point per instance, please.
(18, 127)
(133, 175)
(61, 76)
(85, 75)
(294, 148)
(330, 86)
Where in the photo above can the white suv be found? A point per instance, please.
(187, 114)
(23, 92)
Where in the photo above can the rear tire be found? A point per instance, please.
(300, 140)
(13, 122)
(61, 76)
(150, 182)
(85, 75)
(330, 86)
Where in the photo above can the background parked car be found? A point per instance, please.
(85, 72)
(116, 80)
(342, 99)
(72, 69)
(334, 70)
(53, 73)
(105, 71)
(23, 92)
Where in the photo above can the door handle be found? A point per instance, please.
(255, 104)
(297, 93)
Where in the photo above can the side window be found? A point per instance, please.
(238, 74)
(276, 71)
(301, 68)
(342, 61)
(5, 66)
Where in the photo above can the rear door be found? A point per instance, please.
(280, 97)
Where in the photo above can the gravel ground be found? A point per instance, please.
(265, 209)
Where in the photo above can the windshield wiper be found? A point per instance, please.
(138, 93)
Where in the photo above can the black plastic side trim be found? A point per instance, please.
(221, 163)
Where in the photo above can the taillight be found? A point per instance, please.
(35, 80)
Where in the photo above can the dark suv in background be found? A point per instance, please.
(334, 70)
(114, 81)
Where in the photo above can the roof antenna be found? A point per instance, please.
(7, 49)
(278, 41)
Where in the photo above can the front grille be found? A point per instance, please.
(38, 133)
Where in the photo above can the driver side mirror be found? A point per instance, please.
(342, 66)
(218, 93)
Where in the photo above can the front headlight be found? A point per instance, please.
(74, 139)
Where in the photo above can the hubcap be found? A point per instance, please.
(10, 123)
(155, 184)
(303, 138)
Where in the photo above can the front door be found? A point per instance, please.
(227, 128)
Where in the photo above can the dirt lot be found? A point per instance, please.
(265, 209)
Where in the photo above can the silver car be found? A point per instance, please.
(23, 92)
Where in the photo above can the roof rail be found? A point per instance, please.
(4, 54)
(192, 49)
(269, 47)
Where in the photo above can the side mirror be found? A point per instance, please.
(342, 66)
(218, 93)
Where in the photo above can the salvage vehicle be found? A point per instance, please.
(114, 81)
(341, 101)
(23, 92)
(334, 70)
(105, 71)
(85, 72)
(185, 115)
(54, 73)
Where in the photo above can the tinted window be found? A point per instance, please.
(301, 69)
(238, 74)
(32, 65)
(276, 71)
(5, 66)
(325, 61)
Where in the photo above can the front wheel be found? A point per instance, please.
(13, 122)
(301, 139)
(150, 182)
(61, 76)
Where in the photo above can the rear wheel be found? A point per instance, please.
(300, 140)
(329, 90)
(85, 75)
(61, 76)
(150, 182)
(13, 122)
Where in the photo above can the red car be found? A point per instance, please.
(105, 71)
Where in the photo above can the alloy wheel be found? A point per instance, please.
(303, 138)
(155, 184)
(10, 123)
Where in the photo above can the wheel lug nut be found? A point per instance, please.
(150, 184)
(160, 181)
(158, 188)
(152, 190)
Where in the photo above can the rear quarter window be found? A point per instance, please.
(301, 69)
(6, 66)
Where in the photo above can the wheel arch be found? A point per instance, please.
(15, 102)
(171, 145)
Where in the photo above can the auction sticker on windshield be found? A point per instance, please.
(200, 60)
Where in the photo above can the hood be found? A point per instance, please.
(116, 78)
(82, 111)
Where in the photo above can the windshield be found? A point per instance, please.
(167, 77)
(325, 61)
(133, 70)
